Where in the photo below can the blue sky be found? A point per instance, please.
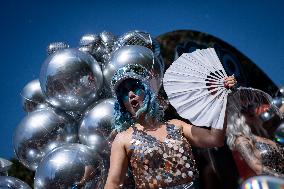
(254, 27)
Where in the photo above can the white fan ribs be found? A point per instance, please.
(195, 88)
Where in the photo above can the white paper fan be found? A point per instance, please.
(194, 84)
(195, 88)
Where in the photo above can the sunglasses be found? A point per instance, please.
(135, 86)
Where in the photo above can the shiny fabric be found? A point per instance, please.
(161, 163)
(271, 157)
(182, 186)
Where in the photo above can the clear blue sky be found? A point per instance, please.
(254, 27)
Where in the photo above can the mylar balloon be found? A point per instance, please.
(136, 38)
(32, 96)
(56, 46)
(96, 126)
(70, 79)
(134, 54)
(88, 42)
(108, 39)
(4, 166)
(263, 182)
(41, 131)
(69, 166)
(7, 182)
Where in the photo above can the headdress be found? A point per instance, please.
(130, 71)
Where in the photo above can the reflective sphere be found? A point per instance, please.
(100, 54)
(277, 101)
(136, 38)
(41, 131)
(139, 38)
(88, 42)
(263, 181)
(7, 182)
(4, 167)
(69, 166)
(32, 96)
(265, 116)
(70, 79)
(134, 54)
(42, 106)
(281, 90)
(108, 39)
(95, 127)
(93, 44)
(56, 46)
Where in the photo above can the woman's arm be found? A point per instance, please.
(201, 137)
(118, 164)
(245, 148)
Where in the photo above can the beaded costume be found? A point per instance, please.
(271, 157)
(162, 163)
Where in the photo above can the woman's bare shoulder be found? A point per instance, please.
(178, 123)
(124, 136)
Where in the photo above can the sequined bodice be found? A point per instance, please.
(159, 163)
(271, 157)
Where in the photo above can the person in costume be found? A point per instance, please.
(159, 153)
(262, 155)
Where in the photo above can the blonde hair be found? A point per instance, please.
(237, 126)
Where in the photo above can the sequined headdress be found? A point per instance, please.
(130, 71)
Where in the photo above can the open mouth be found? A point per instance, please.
(134, 103)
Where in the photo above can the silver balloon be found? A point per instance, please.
(70, 79)
(139, 38)
(96, 126)
(56, 46)
(4, 166)
(88, 42)
(32, 96)
(42, 106)
(7, 182)
(134, 54)
(263, 182)
(265, 116)
(93, 44)
(108, 40)
(277, 101)
(69, 166)
(101, 54)
(41, 131)
(85, 49)
(281, 90)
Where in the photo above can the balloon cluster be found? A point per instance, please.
(66, 135)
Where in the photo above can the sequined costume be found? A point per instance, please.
(271, 157)
(162, 163)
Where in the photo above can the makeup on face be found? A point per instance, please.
(129, 85)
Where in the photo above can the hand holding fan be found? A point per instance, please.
(194, 84)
